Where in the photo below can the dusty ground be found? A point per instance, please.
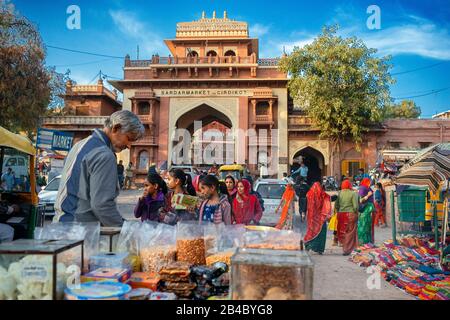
(335, 278)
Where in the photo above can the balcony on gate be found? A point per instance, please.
(75, 120)
(161, 62)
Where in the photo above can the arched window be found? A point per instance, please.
(192, 54)
(143, 108)
(230, 53)
(211, 53)
(262, 108)
(143, 160)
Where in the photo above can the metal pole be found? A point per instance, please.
(394, 227)
(436, 226)
(444, 228)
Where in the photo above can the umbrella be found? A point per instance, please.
(429, 168)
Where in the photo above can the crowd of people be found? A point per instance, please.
(89, 189)
(228, 202)
(353, 220)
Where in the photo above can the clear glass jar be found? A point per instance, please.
(260, 274)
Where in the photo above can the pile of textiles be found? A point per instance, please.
(412, 266)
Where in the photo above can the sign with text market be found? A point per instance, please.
(48, 139)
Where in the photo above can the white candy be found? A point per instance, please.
(14, 285)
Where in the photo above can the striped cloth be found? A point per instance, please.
(429, 168)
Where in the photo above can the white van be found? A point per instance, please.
(18, 164)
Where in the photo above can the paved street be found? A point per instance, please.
(334, 276)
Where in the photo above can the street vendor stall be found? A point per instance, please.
(154, 261)
(421, 190)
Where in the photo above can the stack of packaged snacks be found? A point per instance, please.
(146, 280)
(175, 278)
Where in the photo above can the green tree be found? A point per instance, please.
(26, 85)
(407, 109)
(340, 84)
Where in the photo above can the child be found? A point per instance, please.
(379, 203)
(153, 199)
(179, 183)
(216, 207)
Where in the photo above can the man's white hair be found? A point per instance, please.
(129, 123)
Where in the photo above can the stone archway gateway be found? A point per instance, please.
(314, 160)
(243, 93)
(203, 136)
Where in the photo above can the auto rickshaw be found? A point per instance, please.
(23, 193)
(235, 170)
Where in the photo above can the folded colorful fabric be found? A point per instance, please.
(412, 265)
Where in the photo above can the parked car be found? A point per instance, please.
(271, 190)
(191, 170)
(47, 196)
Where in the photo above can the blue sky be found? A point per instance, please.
(415, 33)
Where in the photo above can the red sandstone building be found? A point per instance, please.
(86, 108)
(215, 75)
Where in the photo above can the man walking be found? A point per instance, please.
(120, 173)
(89, 182)
(128, 176)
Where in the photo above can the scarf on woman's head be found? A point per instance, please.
(366, 182)
(247, 189)
(346, 185)
(319, 210)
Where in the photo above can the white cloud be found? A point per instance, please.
(131, 26)
(415, 36)
(258, 30)
(425, 40)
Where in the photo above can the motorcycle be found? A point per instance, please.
(330, 184)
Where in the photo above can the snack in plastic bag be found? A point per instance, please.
(226, 239)
(190, 243)
(157, 247)
(129, 241)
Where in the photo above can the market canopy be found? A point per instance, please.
(16, 141)
(429, 168)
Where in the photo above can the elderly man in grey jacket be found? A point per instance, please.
(89, 182)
